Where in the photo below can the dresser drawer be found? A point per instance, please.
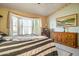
(66, 38)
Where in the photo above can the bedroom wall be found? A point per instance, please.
(4, 22)
(67, 10)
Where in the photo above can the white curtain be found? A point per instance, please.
(23, 25)
(37, 26)
(20, 25)
(26, 26)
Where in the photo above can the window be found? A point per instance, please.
(23, 25)
(14, 25)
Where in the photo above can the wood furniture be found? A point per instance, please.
(46, 32)
(3, 34)
(65, 38)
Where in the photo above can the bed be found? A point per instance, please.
(28, 46)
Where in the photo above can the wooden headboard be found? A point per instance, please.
(65, 38)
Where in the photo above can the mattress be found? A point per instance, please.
(35, 47)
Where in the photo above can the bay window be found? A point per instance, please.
(23, 25)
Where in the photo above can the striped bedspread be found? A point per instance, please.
(36, 47)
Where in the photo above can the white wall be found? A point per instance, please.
(68, 10)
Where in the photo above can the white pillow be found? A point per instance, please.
(62, 52)
(0, 36)
(7, 38)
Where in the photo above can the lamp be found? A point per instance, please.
(65, 28)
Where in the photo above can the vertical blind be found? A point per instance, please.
(23, 25)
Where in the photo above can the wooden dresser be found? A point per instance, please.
(65, 38)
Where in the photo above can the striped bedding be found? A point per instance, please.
(35, 47)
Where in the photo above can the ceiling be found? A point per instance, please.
(43, 9)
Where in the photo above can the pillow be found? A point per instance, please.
(62, 52)
(0, 36)
(8, 38)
